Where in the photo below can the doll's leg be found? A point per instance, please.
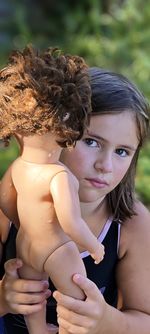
(36, 322)
(60, 266)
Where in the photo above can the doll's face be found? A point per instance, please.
(101, 159)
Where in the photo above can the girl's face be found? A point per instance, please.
(102, 157)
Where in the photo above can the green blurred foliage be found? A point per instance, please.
(143, 175)
(114, 34)
(7, 155)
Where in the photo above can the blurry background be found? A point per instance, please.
(114, 34)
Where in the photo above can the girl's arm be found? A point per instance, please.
(8, 197)
(64, 191)
(94, 315)
(4, 230)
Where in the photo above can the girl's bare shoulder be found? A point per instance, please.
(135, 230)
(133, 267)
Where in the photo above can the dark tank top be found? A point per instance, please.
(103, 275)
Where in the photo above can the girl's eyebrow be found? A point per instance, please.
(131, 148)
(128, 147)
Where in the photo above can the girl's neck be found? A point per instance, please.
(95, 214)
(90, 208)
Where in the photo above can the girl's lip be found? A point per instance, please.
(98, 183)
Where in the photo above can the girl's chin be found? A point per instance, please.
(91, 198)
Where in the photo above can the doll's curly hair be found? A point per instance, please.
(42, 92)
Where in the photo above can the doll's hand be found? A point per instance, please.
(99, 253)
(78, 317)
(20, 295)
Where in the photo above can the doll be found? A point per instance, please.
(45, 104)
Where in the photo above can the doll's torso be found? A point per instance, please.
(40, 232)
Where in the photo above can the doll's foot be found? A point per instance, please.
(52, 329)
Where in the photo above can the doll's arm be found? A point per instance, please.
(64, 190)
(8, 197)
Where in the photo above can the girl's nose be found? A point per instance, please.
(104, 164)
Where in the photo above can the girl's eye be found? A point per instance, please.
(91, 142)
(122, 152)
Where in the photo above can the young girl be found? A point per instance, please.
(104, 161)
(45, 101)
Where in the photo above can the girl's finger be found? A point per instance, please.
(72, 329)
(75, 305)
(28, 286)
(89, 288)
(74, 318)
(11, 267)
(27, 309)
(27, 299)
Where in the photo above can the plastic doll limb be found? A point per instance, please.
(36, 322)
(61, 266)
(69, 216)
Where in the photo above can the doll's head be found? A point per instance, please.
(42, 92)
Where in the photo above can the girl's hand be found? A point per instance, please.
(20, 295)
(82, 317)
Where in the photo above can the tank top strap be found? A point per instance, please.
(105, 229)
(103, 234)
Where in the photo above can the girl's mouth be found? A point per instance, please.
(98, 183)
